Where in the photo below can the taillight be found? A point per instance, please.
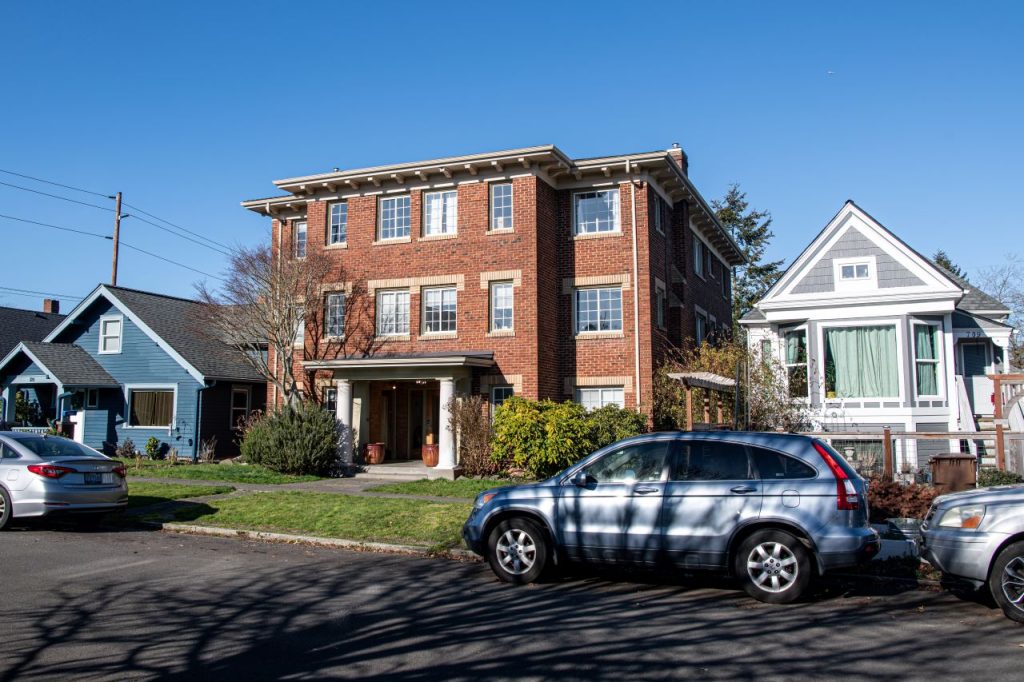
(119, 470)
(847, 498)
(49, 470)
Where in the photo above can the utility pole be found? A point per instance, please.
(117, 237)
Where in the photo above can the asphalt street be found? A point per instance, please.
(155, 605)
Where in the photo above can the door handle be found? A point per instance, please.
(645, 490)
(743, 489)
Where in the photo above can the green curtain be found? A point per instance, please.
(926, 349)
(796, 347)
(863, 362)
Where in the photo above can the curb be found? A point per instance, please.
(214, 531)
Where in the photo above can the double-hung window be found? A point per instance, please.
(698, 256)
(394, 218)
(660, 299)
(595, 398)
(501, 306)
(299, 238)
(501, 206)
(599, 310)
(796, 362)
(596, 211)
(241, 397)
(440, 213)
(337, 223)
(393, 312)
(657, 214)
(334, 315)
(726, 280)
(330, 399)
(499, 394)
(439, 310)
(926, 359)
(110, 334)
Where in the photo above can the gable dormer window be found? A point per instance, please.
(855, 273)
(110, 333)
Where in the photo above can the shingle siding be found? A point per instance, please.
(853, 244)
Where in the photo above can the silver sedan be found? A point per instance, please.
(44, 475)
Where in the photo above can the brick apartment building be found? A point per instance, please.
(520, 272)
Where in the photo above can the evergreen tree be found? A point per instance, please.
(752, 231)
(942, 259)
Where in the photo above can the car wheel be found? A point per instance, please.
(1006, 581)
(774, 566)
(517, 551)
(6, 511)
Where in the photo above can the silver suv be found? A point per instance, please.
(774, 509)
(978, 535)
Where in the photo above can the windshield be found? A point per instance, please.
(55, 447)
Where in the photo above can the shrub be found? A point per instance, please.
(611, 423)
(989, 477)
(208, 449)
(469, 421)
(541, 437)
(154, 449)
(518, 433)
(126, 449)
(294, 439)
(888, 499)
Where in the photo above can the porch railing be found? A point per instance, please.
(31, 429)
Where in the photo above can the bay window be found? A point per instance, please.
(861, 362)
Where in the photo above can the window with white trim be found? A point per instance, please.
(926, 359)
(337, 223)
(299, 230)
(393, 312)
(394, 217)
(698, 256)
(794, 344)
(501, 306)
(499, 394)
(330, 399)
(334, 314)
(599, 309)
(596, 211)
(110, 334)
(439, 310)
(300, 327)
(854, 271)
(151, 407)
(501, 206)
(440, 212)
(596, 398)
(241, 397)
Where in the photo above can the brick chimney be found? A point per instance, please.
(677, 153)
(51, 305)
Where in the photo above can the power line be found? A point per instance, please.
(185, 229)
(177, 234)
(168, 260)
(57, 196)
(57, 184)
(30, 292)
(55, 227)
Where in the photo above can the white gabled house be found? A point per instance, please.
(873, 334)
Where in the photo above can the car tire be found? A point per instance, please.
(1006, 581)
(774, 566)
(6, 509)
(517, 550)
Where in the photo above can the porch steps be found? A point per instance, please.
(398, 472)
(986, 439)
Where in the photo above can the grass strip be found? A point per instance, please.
(230, 473)
(463, 487)
(369, 519)
(145, 494)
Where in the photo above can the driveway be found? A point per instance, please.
(148, 605)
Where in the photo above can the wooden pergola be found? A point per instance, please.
(714, 386)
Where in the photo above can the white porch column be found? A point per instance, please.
(446, 441)
(343, 413)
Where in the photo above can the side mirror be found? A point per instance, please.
(582, 479)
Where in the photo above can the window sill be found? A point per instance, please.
(438, 237)
(395, 240)
(434, 336)
(501, 333)
(584, 336)
(501, 230)
(596, 235)
(338, 246)
(393, 337)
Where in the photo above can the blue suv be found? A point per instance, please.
(774, 509)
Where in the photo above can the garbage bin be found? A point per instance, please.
(953, 472)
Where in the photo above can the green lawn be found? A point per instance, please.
(462, 487)
(370, 519)
(144, 494)
(231, 473)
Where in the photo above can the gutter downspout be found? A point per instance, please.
(636, 289)
(199, 420)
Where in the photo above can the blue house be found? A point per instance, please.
(133, 364)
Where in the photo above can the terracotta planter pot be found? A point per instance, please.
(431, 454)
(375, 453)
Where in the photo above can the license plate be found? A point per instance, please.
(93, 478)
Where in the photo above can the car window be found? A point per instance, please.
(55, 447)
(711, 461)
(639, 462)
(775, 465)
(7, 452)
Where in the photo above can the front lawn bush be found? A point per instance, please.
(611, 423)
(300, 440)
(889, 499)
(988, 477)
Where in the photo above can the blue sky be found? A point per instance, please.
(190, 107)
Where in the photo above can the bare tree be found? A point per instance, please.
(267, 302)
(1006, 283)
